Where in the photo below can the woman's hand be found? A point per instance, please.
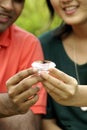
(20, 90)
(59, 85)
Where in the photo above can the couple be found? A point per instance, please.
(65, 84)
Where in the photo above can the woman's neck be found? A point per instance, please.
(80, 31)
(77, 42)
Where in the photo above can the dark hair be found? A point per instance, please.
(50, 8)
(64, 29)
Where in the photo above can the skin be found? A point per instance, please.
(10, 10)
(20, 90)
(78, 13)
(20, 96)
(63, 88)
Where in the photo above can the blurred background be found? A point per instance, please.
(35, 17)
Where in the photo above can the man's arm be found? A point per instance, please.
(21, 122)
(37, 121)
(6, 106)
(49, 124)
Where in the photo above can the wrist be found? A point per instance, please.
(6, 106)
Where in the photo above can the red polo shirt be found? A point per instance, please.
(18, 49)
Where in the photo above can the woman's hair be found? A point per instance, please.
(64, 29)
(50, 8)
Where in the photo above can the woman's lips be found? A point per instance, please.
(70, 10)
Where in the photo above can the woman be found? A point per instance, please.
(67, 83)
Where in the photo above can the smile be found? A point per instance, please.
(70, 10)
(4, 18)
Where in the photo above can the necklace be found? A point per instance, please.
(77, 73)
(75, 65)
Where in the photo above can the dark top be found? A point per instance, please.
(67, 117)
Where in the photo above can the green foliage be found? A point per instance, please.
(35, 17)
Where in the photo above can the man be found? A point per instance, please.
(18, 49)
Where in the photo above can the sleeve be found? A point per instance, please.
(31, 52)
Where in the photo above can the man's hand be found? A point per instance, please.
(20, 90)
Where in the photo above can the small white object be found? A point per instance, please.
(83, 108)
(43, 65)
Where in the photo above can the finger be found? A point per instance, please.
(56, 98)
(28, 94)
(55, 91)
(63, 76)
(31, 101)
(69, 88)
(24, 107)
(24, 85)
(20, 76)
(60, 95)
(59, 99)
(55, 82)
